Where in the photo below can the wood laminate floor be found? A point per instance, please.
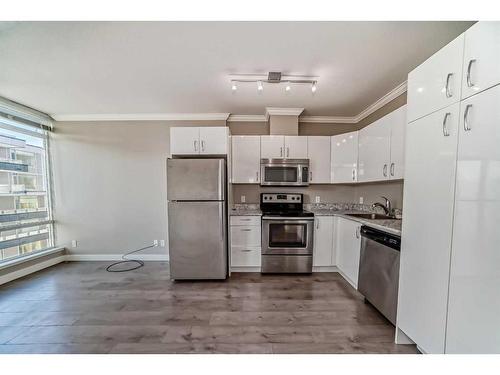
(78, 307)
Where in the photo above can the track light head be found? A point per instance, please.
(233, 86)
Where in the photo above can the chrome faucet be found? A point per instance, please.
(386, 207)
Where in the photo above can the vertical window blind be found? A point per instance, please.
(26, 224)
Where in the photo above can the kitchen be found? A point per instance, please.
(270, 225)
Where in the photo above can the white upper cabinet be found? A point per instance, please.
(212, 140)
(474, 299)
(318, 150)
(374, 149)
(323, 251)
(398, 127)
(481, 64)
(279, 146)
(246, 159)
(437, 82)
(344, 157)
(348, 246)
(428, 201)
(272, 146)
(184, 140)
(295, 147)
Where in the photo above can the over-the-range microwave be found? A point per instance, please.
(284, 172)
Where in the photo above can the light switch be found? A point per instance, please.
(243, 199)
(318, 199)
(361, 200)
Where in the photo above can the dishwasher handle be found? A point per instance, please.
(384, 238)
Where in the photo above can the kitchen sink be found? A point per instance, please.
(372, 216)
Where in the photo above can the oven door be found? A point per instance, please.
(287, 236)
(284, 175)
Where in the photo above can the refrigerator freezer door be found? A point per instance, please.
(195, 179)
(197, 240)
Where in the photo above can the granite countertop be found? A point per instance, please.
(241, 209)
(392, 226)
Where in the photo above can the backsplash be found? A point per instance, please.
(370, 192)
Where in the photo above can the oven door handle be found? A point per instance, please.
(289, 219)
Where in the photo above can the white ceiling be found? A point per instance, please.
(72, 68)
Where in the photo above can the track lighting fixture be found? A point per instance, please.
(273, 78)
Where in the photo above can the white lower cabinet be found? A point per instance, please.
(348, 248)
(245, 234)
(324, 250)
(428, 200)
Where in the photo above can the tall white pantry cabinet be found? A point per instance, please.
(449, 292)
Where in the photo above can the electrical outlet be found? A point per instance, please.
(318, 199)
(162, 243)
(361, 200)
(155, 242)
(243, 199)
(74, 243)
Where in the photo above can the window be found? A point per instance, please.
(26, 224)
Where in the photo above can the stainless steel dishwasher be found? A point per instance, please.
(379, 270)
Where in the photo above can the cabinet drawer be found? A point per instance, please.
(245, 220)
(245, 235)
(245, 256)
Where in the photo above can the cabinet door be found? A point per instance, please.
(245, 256)
(246, 159)
(481, 68)
(272, 146)
(184, 140)
(318, 152)
(323, 241)
(374, 151)
(474, 300)
(344, 158)
(348, 248)
(428, 201)
(437, 82)
(295, 147)
(398, 127)
(213, 140)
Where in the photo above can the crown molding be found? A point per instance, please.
(247, 118)
(144, 117)
(276, 111)
(391, 95)
(327, 120)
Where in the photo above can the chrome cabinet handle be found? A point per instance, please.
(469, 67)
(353, 175)
(195, 145)
(392, 169)
(245, 230)
(246, 251)
(385, 170)
(449, 94)
(245, 219)
(357, 232)
(466, 117)
(310, 176)
(281, 151)
(202, 145)
(446, 133)
(287, 151)
(317, 223)
(257, 176)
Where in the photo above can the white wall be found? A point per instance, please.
(110, 185)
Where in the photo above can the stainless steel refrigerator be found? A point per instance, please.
(197, 218)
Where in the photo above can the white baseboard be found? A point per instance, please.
(325, 269)
(31, 269)
(115, 257)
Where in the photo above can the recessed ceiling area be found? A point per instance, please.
(69, 68)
